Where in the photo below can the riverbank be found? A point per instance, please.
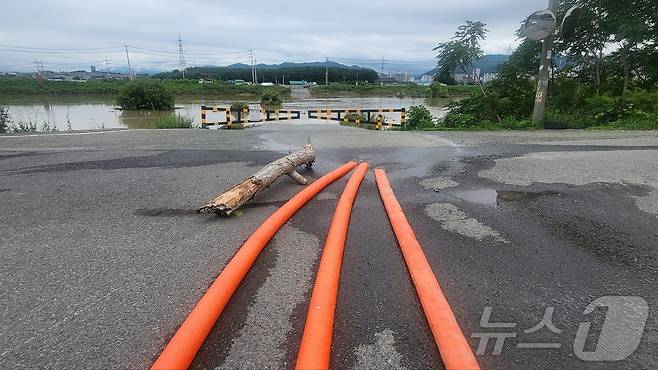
(403, 90)
(12, 87)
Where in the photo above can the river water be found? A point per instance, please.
(85, 113)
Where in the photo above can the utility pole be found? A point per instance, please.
(253, 74)
(381, 82)
(130, 70)
(545, 64)
(181, 57)
(107, 67)
(326, 71)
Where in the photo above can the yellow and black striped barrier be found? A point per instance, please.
(243, 115)
(372, 116)
(281, 114)
(375, 116)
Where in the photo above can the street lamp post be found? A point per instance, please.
(544, 67)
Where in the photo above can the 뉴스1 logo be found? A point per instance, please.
(620, 335)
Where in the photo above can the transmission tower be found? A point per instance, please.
(181, 56)
(381, 81)
(254, 78)
(39, 65)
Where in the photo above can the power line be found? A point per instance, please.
(57, 49)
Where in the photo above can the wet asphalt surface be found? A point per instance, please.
(103, 256)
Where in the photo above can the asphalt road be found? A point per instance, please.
(103, 256)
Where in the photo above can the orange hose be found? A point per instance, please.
(183, 346)
(315, 348)
(454, 349)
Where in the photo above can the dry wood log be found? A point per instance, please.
(240, 193)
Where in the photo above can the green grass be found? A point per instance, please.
(173, 121)
(14, 86)
(628, 124)
(365, 125)
(403, 90)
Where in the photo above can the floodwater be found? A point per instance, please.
(91, 113)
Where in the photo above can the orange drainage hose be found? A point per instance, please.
(454, 349)
(181, 349)
(315, 348)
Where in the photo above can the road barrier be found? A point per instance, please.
(242, 116)
(370, 116)
(342, 115)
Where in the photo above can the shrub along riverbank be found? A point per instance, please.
(403, 90)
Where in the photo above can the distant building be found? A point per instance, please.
(237, 82)
(387, 80)
(204, 81)
(402, 76)
(463, 78)
(472, 78)
(487, 77)
(298, 83)
(93, 69)
(426, 78)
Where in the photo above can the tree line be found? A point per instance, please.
(307, 73)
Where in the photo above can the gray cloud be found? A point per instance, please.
(219, 32)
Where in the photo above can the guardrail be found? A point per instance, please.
(343, 115)
(242, 116)
(358, 116)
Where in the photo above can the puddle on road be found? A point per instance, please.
(491, 197)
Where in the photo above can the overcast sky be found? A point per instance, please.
(220, 32)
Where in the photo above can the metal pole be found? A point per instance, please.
(545, 64)
(255, 71)
(130, 70)
(251, 56)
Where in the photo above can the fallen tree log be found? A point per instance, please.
(240, 193)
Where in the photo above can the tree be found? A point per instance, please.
(147, 95)
(462, 50)
(4, 119)
(419, 117)
(590, 37)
